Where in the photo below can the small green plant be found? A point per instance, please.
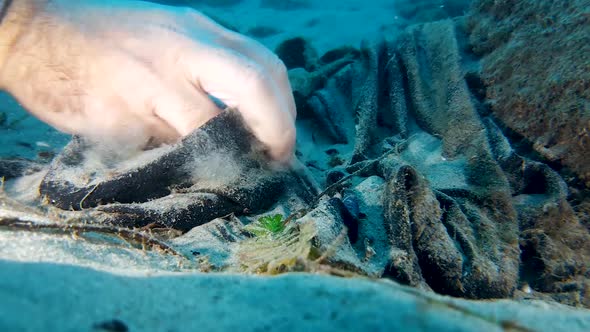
(277, 253)
(267, 225)
(274, 224)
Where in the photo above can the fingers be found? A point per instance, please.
(108, 118)
(242, 83)
(252, 50)
(167, 104)
(269, 61)
(185, 112)
(156, 108)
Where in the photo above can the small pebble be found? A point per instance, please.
(113, 325)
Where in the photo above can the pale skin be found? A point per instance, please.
(140, 72)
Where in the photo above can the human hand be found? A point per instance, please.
(137, 72)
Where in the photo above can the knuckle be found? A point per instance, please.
(274, 63)
(278, 65)
(255, 76)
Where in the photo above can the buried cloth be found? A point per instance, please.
(443, 199)
(211, 173)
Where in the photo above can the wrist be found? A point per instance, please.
(15, 17)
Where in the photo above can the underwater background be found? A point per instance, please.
(442, 183)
